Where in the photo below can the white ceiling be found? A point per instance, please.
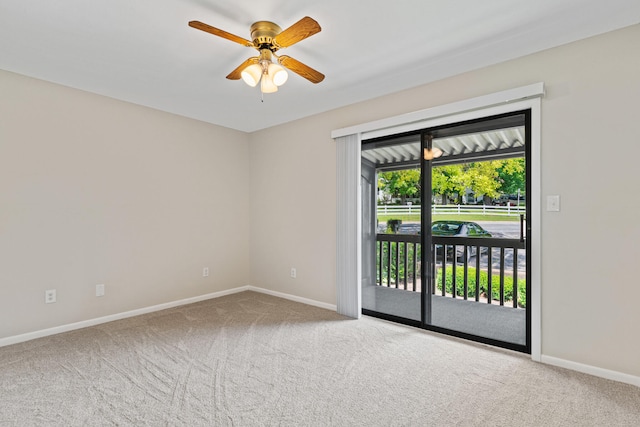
(144, 52)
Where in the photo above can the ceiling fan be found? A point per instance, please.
(267, 39)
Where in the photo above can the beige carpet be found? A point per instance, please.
(254, 360)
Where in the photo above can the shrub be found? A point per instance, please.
(471, 289)
(393, 224)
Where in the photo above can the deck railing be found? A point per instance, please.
(478, 269)
(399, 257)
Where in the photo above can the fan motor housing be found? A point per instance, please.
(263, 32)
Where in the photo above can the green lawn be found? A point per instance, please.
(467, 217)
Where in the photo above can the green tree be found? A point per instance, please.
(489, 178)
(511, 174)
(400, 184)
(447, 181)
(482, 178)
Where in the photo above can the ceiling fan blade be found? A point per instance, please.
(220, 33)
(302, 70)
(306, 27)
(236, 74)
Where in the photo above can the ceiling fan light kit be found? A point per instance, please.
(251, 75)
(271, 74)
(267, 39)
(278, 74)
(267, 85)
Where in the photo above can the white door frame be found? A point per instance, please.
(522, 98)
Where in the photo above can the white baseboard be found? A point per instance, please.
(290, 297)
(118, 316)
(591, 370)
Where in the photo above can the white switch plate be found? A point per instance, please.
(205, 272)
(294, 273)
(100, 290)
(553, 203)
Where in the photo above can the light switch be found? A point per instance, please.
(553, 203)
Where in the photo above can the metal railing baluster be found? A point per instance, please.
(478, 255)
(434, 258)
(466, 272)
(444, 270)
(389, 265)
(404, 258)
(454, 263)
(502, 276)
(379, 262)
(397, 245)
(415, 265)
(515, 277)
(489, 274)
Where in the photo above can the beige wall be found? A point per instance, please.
(293, 210)
(590, 146)
(94, 190)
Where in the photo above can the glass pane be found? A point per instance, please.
(395, 208)
(479, 259)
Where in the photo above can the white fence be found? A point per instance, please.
(453, 209)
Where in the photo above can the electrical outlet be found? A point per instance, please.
(50, 296)
(294, 273)
(100, 290)
(205, 272)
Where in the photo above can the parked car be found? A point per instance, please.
(453, 228)
(509, 200)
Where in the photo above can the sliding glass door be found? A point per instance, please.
(451, 232)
